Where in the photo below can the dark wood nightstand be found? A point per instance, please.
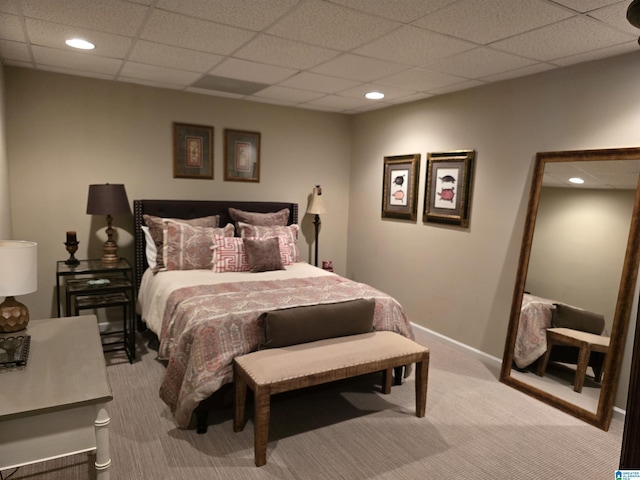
(91, 285)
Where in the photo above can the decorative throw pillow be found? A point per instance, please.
(150, 250)
(566, 316)
(156, 229)
(290, 326)
(229, 255)
(264, 219)
(189, 248)
(289, 232)
(263, 254)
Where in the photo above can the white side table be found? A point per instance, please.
(55, 406)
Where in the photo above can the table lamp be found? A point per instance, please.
(18, 276)
(316, 207)
(108, 199)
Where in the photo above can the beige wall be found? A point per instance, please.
(67, 132)
(5, 209)
(459, 282)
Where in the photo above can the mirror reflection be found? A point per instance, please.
(568, 321)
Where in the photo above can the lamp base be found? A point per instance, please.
(14, 316)
(110, 252)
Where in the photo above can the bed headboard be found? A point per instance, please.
(193, 209)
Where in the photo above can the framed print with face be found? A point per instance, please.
(192, 151)
(241, 156)
(400, 186)
(448, 187)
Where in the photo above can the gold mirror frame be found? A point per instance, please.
(601, 418)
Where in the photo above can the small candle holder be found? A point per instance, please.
(72, 247)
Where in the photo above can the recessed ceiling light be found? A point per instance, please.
(374, 95)
(576, 180)
(79, 43)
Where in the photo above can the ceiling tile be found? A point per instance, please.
(598, 54)
(519, 72)
(192, 33)
(233, 12)
(583, 6)
(14, 51)
(356, 67)
(420, 79)
(72, 71)
(8, 6)
(405, 11)
(479, 62)
(288, 94)
(414, 46)
(53, 35)
(285, 53)
(173, 57)
(457, 87)
(318, 83)
(111, 16)
(11, 28)
(485, 21)
(154, 73)
(569, 37)
(331, 26)
(339, 102)
(245, 70)
(75, 60)
(616, 16)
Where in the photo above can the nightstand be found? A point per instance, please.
(91, 285)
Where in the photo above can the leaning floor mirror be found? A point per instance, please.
(576, 281)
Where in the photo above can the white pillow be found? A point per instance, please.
(150, 250)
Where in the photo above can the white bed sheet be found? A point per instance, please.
(155, 289)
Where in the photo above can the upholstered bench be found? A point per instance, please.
(275, 370)
(585, 342)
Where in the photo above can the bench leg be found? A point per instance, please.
(544, 360)
(261, 424)
(399, 371)
(387, 376)
(422, 376)
(239, 402)
(581, 370)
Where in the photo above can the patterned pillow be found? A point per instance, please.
(289, 232)
(229, 255)
(264, 219)
(189, 248)
(263, 254)
(156, 229)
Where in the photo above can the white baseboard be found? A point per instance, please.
(617, 412)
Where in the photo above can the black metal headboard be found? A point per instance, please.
(193, 209)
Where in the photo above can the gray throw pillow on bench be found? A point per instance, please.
(577, 319)
(295, 325)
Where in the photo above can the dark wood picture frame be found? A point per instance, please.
(241, 156)
(192, 151)
(400, 187)
(448, 187)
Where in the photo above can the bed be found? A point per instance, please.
(537, 314)
(204, 317)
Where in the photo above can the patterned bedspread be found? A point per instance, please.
(531, 340)
(205, 327)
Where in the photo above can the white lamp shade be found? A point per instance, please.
(18, 267)
(316, 207)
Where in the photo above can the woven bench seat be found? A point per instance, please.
(276, 370)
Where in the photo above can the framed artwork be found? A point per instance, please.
(241, 156)
(400, 186)
(192, 151)
(447, 196)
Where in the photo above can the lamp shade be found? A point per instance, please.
(316, 206)
(18, 267)
(107, 199)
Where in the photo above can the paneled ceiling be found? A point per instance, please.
(315, 54)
